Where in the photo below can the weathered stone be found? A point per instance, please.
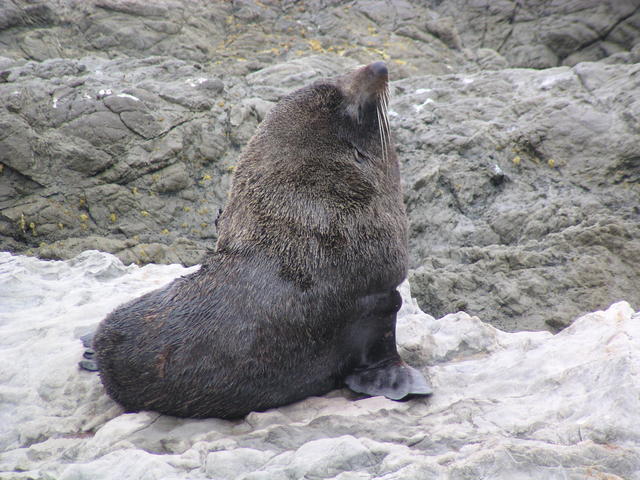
(563, 130)
(507, 405)
(173, 178)
(235, 463)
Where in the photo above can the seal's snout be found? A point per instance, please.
(366, 91)
(379, 69)
(374, 78)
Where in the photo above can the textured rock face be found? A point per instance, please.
(121, 121)
(525, 197)
(506, 405)
(542, 34)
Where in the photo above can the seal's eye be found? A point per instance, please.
(358, 155)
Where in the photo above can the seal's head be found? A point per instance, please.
(345, 114)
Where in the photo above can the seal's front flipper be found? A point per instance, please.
(394, 380)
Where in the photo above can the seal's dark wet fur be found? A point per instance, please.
(299, 296)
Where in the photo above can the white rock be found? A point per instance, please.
(324, 458)
(123, 465)
(234, 463)
(506, 405)
(129, 96)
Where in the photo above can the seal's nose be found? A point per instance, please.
(379, 69)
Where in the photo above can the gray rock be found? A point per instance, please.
(538, 34)
(489, 59)
(300, 71)
(106, 138)
(562, 140)
(174, 178)
(533, 56)
(444, 28)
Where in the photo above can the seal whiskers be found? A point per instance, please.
(383, 123)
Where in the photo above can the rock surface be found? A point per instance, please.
(530, 205)
(506, 405)
(121, 122)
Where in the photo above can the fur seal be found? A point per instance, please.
(299, 296)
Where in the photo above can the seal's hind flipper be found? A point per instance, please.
(87, 339)
(395, 381)
(88, 363)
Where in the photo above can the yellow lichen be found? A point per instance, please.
(381, 53)
(84, 217)
(134, 190)
(22, 223)
(315, 45)
(144, 213)
(186, 209)
(113, 217)
(165, 231)
(516, 160)
(551, 162)
(273, 51)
